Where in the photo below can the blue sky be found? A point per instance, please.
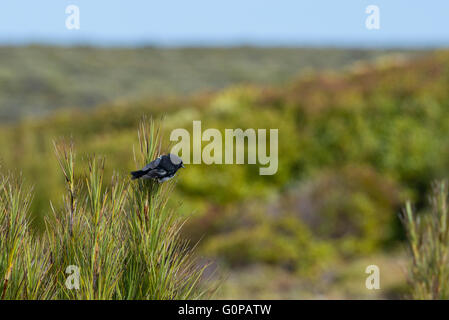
(226, 22)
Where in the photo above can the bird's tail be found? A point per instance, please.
(137, 174)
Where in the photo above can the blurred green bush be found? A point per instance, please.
(280, 239)
(352, 207)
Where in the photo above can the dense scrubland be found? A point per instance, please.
(34, 80)
(353, 146)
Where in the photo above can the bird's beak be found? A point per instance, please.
(182, 166)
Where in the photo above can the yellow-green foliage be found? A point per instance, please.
(357, 140)
(354, 207)
(279, 240)
(120, 237)
(428, 241)
(24, 257)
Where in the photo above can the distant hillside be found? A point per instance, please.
(35, 80)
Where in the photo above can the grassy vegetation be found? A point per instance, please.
(123, 239)
(24, 258)
(353, 146)
(428, 239)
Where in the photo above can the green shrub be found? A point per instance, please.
(428, 242)
(353, 207)
(24, 257)
(121, 237)
(278, 240)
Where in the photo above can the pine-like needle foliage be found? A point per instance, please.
(428, 240)
(107, 242)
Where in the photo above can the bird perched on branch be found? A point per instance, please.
(162, 169)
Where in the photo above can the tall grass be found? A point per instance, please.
(24, 258)
(159, 264)
(88, 232)
(428, 240)
(120, 236)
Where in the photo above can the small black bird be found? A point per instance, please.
(162, 169)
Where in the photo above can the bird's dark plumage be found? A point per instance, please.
(162, 169)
